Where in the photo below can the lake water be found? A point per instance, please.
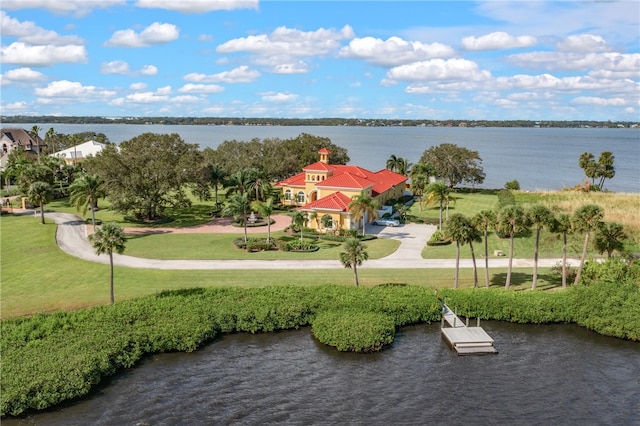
(542, 375)
(539, 158)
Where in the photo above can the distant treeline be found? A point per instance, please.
(239, 121)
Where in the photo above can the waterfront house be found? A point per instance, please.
(16, 138)
(323, 189)
(77, 154)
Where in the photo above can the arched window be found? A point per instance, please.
(287, 194)
(300, 198)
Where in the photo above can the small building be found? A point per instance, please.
(77, 154)
(16, 138)
(327, 189)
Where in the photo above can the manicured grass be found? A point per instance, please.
(37, 276)
(220, 246)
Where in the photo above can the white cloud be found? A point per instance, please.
(185, 99)
(39, 56)
(21, 75)
(279, 48)
(439, 69)
(201, 88)
(394, 51)
(596, 101)
(610, 61)
(75, 7)
(137, 86)
(67, 91)
(156, 33)
(278, 97)
(147, 97)
(583, 43)
(496, 41)
(115, 67)
(241, 74)
(29, 32)
(148, 70)
(14, 107)
(198, 6)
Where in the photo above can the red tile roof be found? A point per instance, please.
(319, 166)
(336, 201)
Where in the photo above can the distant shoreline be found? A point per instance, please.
(242, 121)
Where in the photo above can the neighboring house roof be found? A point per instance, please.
(336, 201)
(20, 137)
(80, 151)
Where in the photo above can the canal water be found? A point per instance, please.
(543, 375)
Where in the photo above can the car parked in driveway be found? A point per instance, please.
(386, 222)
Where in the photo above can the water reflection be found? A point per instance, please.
(551, 374)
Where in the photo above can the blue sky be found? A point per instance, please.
(568, 60)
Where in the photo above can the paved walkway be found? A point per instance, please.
(72, 238)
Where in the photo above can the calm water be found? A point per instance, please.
(543, 375)
(538, 158)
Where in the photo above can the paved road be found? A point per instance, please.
(72, 238)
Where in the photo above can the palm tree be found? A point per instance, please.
(259, 185)
(239, 182)
(586, 219)
(562, 224)
(238, 207)
(35, 134)
(216, 176)
(265, 208)
(437, 191)
(609, 237)
(326, 220)
(84, 193)
(297, 221)
(460, 229)
(392, 163)
(419, 184)
(403, 166)
(457, 231)
(539, 217)
(363, 206)
(40, 193)
(511, 221)
(107, 239)
(482, 221)
(353, 255)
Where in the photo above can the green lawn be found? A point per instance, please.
(37, 276)
(220, 246)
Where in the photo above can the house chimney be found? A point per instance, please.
(324, 155)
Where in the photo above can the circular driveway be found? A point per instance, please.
(71, 237)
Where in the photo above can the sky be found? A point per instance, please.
(485, 60)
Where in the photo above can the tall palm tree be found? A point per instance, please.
(239, 182)
(539, 217)
(35, 134)
(216, 176)
(353, 255)
(437, 191)
(483, 221)
(561, 224)
(107, 239)
(259, 185)
(362, 207)
(511, 221)
(297, 221)
(265, 208)
(586, 219)
(419, 184)
(609, 237)
(403, 166)
(460, 229)
(392, 163)
(40, 193)
(84, 193)
(238, 207)
(456, 230)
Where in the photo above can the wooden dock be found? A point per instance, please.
(464, 339)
